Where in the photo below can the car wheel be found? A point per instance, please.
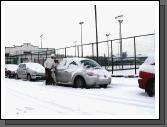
(17, 77)
(150, 87)
(29, 77)
(104, 86)
(8, 76)
(79, 83)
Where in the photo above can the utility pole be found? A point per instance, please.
(96, 34)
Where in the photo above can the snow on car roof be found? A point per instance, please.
(34, 65)
(150, 60)
(11, 67)
(76, 59)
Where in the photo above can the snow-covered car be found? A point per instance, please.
(30, 71)
(82, 73)
(10, 70)
(147, 76)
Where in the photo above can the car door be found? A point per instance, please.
(19, 71)
(60, 71)
(71, 68)
(24, 71)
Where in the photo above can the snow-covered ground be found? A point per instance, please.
(122, 97)
(126, 72)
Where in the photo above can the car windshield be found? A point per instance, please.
(90, 63)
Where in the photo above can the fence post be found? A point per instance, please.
(21, 59)
(38, 56)
(92, 51)
(112, 58)
(65, 52)
(135, 52)
(46, 52)
(43, 61)
(105, 61)
(78, 50)
(31, 56)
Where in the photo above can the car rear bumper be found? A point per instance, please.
(143, 78)
(142, 82)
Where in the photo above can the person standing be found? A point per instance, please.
(49, 64)
(53, 71)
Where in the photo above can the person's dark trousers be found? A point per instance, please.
(48, 76)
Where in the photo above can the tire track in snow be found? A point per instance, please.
(136, 102)
(61, 107)
(105, 98)
(113, 99)
(93, 96)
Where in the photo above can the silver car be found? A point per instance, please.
(82, 72)
(30, 71)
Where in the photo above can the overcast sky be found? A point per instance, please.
(59, 23)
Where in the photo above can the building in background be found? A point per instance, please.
(27, 53)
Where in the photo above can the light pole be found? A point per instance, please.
(120, 36)
(120, 33)
(81, 38)
(97, 49)
(107, 44)
(75, 47)
(41, 39)
(118, 48)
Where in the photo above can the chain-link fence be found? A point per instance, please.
(135, 50)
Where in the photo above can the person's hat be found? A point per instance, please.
(52, 55)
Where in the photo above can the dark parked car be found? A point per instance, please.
(10, 70)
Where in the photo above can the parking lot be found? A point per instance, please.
(122, 97)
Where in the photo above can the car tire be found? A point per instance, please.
(79, 83)
(150, 87)
(16, 77)
(104, 86)
(29, 77)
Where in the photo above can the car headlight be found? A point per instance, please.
(91, 74)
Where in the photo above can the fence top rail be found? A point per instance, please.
(109, 40)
